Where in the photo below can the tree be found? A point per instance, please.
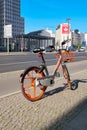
(79, 45)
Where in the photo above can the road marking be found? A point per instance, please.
(73, 74)
(18, 63)
(79, 72)
(50, 59)
(23, 62)
(6, 95)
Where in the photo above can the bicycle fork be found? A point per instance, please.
(66, 75)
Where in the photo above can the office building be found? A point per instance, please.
(84, 39)
(76, 37)
(40, 38)
(10, 18)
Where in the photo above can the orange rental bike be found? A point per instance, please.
(35, 80)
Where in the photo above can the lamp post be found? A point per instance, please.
(68, 21)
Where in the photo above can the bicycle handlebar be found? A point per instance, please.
(64, 42)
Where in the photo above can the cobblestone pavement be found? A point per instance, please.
(58, 106)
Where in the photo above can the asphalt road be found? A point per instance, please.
(20, 62)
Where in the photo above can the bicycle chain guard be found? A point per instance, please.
(46, 81)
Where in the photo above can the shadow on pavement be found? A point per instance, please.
(59, 89)
(54, 91)
(80, 81)
(61, 122)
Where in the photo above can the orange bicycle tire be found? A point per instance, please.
(38, 91)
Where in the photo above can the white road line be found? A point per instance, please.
(23, 62)
(56, 80)
(6, 95)
(18, 63)
(73, 74)
(79, 72)
(50, 59)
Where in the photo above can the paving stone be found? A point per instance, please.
(58, 107)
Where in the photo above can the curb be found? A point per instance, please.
(14, 53)
(12, 73)
(20, 53)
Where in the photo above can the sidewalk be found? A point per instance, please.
(79, 122)
(14, 53)
(59, 109)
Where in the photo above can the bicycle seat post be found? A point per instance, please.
(43, 60)
(43, 65)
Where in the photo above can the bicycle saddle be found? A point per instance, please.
(38, 50)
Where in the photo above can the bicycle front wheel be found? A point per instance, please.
(30, 90)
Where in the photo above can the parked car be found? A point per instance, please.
(82, 49)
(71, 48)
(52, 47)
(35, 50)
(48, 49)
(3, 49)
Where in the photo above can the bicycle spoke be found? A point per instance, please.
(38, 75)
(27, 87)
(34, 91)
(30, 90)
(29, 76)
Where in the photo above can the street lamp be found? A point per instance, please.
(68, 20)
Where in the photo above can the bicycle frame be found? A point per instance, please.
(35, 80)
(44, 67)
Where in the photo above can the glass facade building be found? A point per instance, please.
(10, 15)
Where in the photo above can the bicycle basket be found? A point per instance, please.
(67, 56)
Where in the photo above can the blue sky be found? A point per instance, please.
(42, 14)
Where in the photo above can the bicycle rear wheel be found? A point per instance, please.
(29, 89)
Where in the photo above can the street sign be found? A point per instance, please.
(8, 31)
(65, 29)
